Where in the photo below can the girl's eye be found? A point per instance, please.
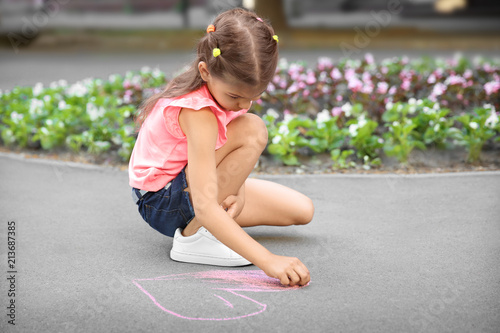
(233, 97)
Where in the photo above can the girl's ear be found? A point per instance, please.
(203, 69)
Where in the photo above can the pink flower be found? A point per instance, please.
(286, 112)
(439, 89)
(455, 79)
(438, 72)
(336, 111)
(460, 97)
(382, 87)
(431, 79)
(339, 98)
(311, 78)
(292, 89)
(468, 74)
(324, 63)
(393, 90)
(354, 84)
(491, 87)
(366, 77)
(384, 70)
(306, 93)
(349, 73)
(294, 71)
(369, 58)
(406, 85)
(335, 74)
(271, 87)
(488, 68)
(367, 89)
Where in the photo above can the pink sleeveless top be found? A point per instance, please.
(160, 152)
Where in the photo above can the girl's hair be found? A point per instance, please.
(248, 54)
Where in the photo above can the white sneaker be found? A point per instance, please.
(204, 248)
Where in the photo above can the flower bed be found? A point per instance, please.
(357, 111)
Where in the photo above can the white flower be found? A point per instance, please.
(283, 130)
(436, 128)
(44, 131)
(272, 113)
(428, 110)
(62, 105)
(47, 98)
(113, 77)
(353, 130)
(49, 122)
(287, 118)
(489, 106)
(62, 83)
(362, 121)
(37, 89)
(276, 139)
(157, 73)
(420, 102)
(347, 108)
(78, 89)
(16, 116)
(436, 106)
(94, 112)
(412, 109)
(473, 125)
(36, 106)
(389, 105)
(380, 140)
(395, 124)
(412, 101)
(145, 69)
(492, 120)
(323, 117)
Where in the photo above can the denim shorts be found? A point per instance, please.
(167, 209)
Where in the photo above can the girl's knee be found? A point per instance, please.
(254, 128)
(306, 212)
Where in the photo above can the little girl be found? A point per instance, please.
(197, 145)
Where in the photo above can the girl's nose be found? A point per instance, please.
(245, 104)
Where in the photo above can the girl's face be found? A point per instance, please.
(231, 96)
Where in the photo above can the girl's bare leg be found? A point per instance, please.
(246, 139)
(268, 203)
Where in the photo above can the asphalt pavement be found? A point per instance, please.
(387, 253)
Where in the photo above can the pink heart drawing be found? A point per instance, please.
(218, 293)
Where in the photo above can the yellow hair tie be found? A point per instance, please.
(216, 52)
(275, 37)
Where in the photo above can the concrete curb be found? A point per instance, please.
(79, 165)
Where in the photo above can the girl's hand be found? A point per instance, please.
(290, 271)
(233, 205)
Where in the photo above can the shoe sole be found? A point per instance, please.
(205, 260)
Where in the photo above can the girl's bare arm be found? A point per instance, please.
(201, 130)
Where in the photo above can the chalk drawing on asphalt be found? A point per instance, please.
(210, 295)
